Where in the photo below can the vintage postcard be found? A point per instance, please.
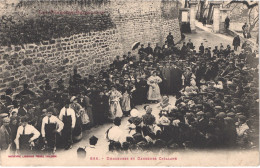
(129, 83)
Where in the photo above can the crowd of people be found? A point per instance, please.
(216, 92)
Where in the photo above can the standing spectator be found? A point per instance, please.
(201, 48)
(166, 73)
(245, 30)
(8, 97)
(14, 124)
(257, 38)
(236, 42)
(5, 134)
(141, 52)
(190, 44)
(204, 21)
(170, 40)
(227, 20)
(149, 49)
(176, 80)
(77, 131)
(157, 52)
(184, 51)
(117, 63)
(242, 131)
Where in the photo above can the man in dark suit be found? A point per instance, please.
(201, 48)
(8, 97)
(176, 80)
(202, 122)
(170, 40)
(236, 42)
(26, 92)
(157, 52)
(149, 49)
(184, 51)
(141, 50)
(190, 44)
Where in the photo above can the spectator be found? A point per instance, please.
(227, 20)
(245, 30)
(236, 42)
(170, 40)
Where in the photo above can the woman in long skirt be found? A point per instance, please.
(89, 109)
(126, 102)
(154, 94)
(77, 132)
(114, 103)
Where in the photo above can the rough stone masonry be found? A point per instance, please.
(55, 58)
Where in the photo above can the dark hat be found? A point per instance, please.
(214, 120)
(8, 91)
(93, 140)
(24, 119)
(60, 81)
(81, 152)
(50, 109)
(242, 118)
(117, 121)
(47, 81)
(67, 102)
(138, 137)
(159, 143)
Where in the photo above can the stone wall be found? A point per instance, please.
(89, 51)
(57, 58)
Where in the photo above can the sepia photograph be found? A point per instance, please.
(129, 83)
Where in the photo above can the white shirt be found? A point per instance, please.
(116, 134)
(53, 120)
(70, 112)
(28, 129)
(241, 130)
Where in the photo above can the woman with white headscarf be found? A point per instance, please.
(114, 103)
(134, 122)
(154, 90)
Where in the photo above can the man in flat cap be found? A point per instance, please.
(5, 134)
